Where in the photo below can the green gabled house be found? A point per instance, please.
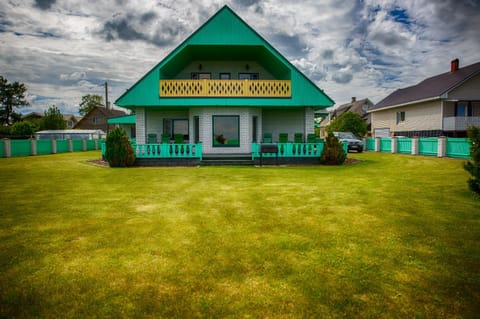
(224, 91)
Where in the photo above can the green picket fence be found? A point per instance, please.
(2, 148)
(20, 147)
(404, 145)
(385, 144)
(458, 147)
(428, 146)
(370, 144)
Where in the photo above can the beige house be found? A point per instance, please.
(443, 105)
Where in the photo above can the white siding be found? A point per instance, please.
(154, 122)
(469, 90)
(140, 124)
(418, 117)
(217, 67)
(278, 121)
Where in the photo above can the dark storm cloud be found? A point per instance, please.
(327, 54)
(389, 38)
(44, 4)
(458, 15)
(342, 77)
(291, 45)
(142, 27)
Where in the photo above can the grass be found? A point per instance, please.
(393, 236)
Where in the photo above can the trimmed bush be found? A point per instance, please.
(119, 152)
(473, 166)
(24, 129)
(333, 153)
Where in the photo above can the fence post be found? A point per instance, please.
(70, 145)
(364, 140)
(442, 146)
(95, 141)
(84, 144)
(414, 145)
(33, 146)
(54, 146)
(7, 148)
(394, 144)
(377, 144)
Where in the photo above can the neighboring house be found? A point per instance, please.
(445, 104)
(360, 107)
(71, 120)
(32, 116)
(225, 87)
(126, 122)
(97, 118)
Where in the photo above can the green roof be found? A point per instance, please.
(225, 36)
(128, 119)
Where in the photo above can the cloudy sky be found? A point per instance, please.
(64, 49)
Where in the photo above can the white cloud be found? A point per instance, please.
(62, 50)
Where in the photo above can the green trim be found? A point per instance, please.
(225, 34)
(129, 119)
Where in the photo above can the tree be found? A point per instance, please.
(24, 129)
(88, 102)
(349, 122)
(333, 152)
(473, 166)
(53, 119)
(119, 152)
(12, 95)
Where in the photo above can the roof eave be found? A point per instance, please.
(405, 104)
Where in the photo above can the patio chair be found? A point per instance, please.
(178, 138)
(267, 137)
(311, 138)
(283, 138)
(298, 138)
(166, 138)
(152, 138)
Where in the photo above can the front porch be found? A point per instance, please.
(171, 154)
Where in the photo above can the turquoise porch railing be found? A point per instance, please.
(168, 150)
(291, 150)
(294, 150)
(164, 150)
(458, 147)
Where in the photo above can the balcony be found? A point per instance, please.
(460, 123)
(226, 88)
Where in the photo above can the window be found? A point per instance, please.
(226, 130)
(463, 109)
(400, 117)
(248, 76)
(176, 126)
(96, 120)
(225, 76)
(201, 76)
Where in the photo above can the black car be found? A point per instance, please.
(354, 143)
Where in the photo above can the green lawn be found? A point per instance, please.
(393, 236)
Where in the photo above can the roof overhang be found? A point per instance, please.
(405, 104)
(256, 53)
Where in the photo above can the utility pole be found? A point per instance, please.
(106, 103)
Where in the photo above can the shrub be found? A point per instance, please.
(473, 166)
(119, 152)
(349, 122)
(333, 153)
(24, 129)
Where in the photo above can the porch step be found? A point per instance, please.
(233, 160)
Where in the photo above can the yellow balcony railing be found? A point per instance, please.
(225, 88)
